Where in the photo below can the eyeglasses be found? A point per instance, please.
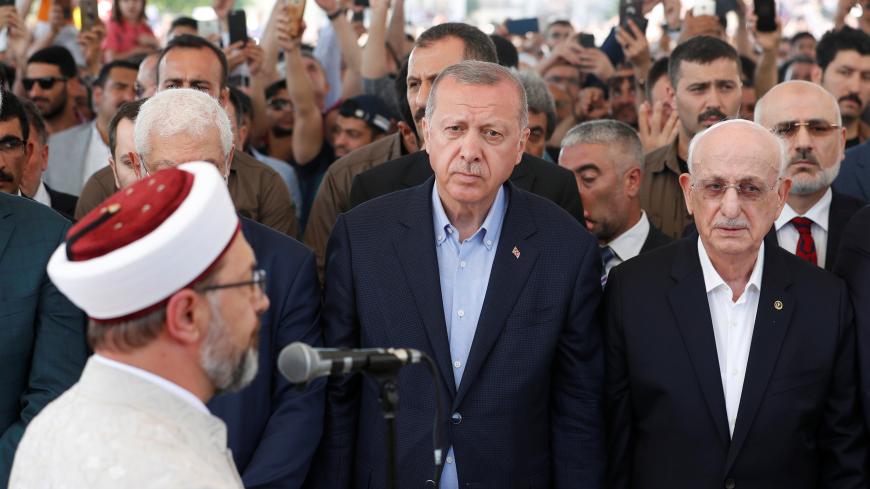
(45, 82)
(10, 144)
(258, 279)
(280, 104)
(747, 191)
(816, 127)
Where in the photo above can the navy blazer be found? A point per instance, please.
(42, 334)
(797, 426)
(853, 265)
(273, 429)
(854, 177)
(528, 412)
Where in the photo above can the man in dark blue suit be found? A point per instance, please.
(731, 363)
(272, 428)
(854, 177)
(499, 286)
(43, 334)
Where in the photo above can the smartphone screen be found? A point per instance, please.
(586, 40)
(89, 14)
(238, 26)
(765, 10)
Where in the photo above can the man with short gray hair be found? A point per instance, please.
(606, 157)
(470, 257)
(731, 363)
(807, 118)
(542, 114)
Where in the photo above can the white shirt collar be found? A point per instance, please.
(712, 279)
(42, 195)
(628, 244)
(156, 379)
(818, 213)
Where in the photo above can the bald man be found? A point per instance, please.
(731, 363)
(807, 118)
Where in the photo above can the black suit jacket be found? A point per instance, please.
(797, 426)
(853, 264)
(532, 175)
(63, 203)
(654, 239)
(527, 413)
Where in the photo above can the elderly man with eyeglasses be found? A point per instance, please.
(731, 363)
(273, 428)
(807, 117)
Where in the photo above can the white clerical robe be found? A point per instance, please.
(116, 430)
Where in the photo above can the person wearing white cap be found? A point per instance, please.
(174, 295)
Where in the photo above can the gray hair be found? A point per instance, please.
(781, 144)
(618, 136)
(181, 111)
(480, 73)
(539, 98)
(759, 106)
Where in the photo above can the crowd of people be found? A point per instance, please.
(633, 264)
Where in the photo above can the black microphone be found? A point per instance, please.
(300, 363)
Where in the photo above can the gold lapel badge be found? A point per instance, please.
(777, 305)
(516, 252)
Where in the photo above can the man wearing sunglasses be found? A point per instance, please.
(731, 363)
(807, 118)
(48, 79)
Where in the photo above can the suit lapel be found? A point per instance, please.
(506, 281)
(838, 216)
(418, 171)
(415, 247)
(521, 177)
(6, 223)
(775, 307)
(688, 300)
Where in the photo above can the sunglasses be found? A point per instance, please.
(816, 127)
(45, 82)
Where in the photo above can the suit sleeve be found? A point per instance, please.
(577, 425)
(841, 435)
(570, 199)
(276, 208)
(333, 467)
(293, 431)
(618, 395)
(59, 355)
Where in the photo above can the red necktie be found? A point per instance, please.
(806, 246)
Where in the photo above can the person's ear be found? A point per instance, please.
(686, 185)
(409, 137)
(114, 172)
(816, 74)
(187, 318)
(632, 181)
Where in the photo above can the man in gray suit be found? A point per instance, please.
(80, 151)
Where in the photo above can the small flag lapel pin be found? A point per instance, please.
(516, 252)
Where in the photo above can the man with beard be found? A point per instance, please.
(77, 153)
(273, 428)
(146, 76)
(607, 160)
(48, 79)
(279, 117)
(705, 89)
(174, 293)
(808, 118)
(844, 57)
(542, 114)
(623, 95)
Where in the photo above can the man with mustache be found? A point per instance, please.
(499, 286)
(174, 293)
(77, 153)
(808, 118)
(705, 88)
(49, 79)
(731, 363)
(844, 57)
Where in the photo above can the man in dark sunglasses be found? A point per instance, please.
(808, 119)
(47, 81)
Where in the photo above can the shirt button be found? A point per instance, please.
(460, 313)
(440, 237)
(489, 242)
(449, 460)
(457, 364)
(462, 264)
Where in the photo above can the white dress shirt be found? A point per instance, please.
(97, 155)
(42, 195)
(628, 244)
(172, 387)
(788, 236)
(733, 324)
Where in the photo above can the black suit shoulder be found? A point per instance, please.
(268, 243)
(655, 239)
(32, 214)
(846, 204)
(856, 236)
(389, 177)
(62, 203)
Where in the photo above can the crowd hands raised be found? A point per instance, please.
(602, 309)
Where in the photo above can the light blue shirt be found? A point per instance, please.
(464, 268)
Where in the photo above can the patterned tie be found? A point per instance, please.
(806, 246)
(607, 254)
